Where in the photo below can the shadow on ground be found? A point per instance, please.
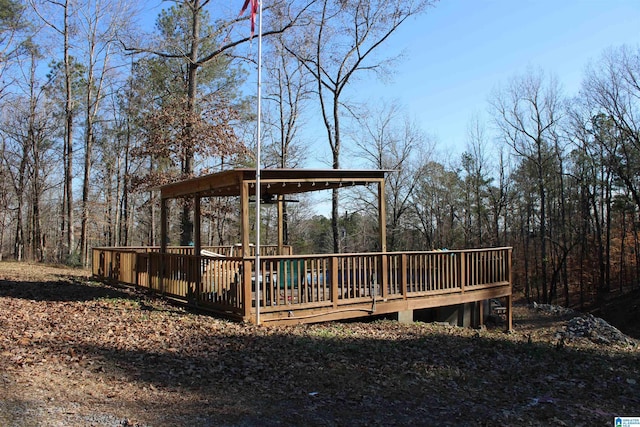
(65, 289)
(171, 367)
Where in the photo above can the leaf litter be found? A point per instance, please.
(77, 352)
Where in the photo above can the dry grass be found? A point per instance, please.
(76, 352)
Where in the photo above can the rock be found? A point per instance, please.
(594, 329)
(553, 309)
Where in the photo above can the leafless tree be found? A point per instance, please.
(26, 129)
(46, 10)
(341, 43)
(475, 164)
(527, 114)
(203, 45)
(387, 139)
(100, 23)
(612, 85)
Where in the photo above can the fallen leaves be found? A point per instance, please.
(97, 355)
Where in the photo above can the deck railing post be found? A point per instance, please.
(509, 260)
(463, 273)
(247, 298)
(334, 280)
(384, 275)
(404, 278)
(163, 244)
(510, 297)
(136, 268)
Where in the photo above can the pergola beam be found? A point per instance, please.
(274, 182)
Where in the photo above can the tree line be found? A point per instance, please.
(97, 111)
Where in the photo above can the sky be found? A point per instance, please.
(461, 51)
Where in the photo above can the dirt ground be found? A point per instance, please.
(75, 352)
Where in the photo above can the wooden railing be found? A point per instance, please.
(306, 282)
(225, 250)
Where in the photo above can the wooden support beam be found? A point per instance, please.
(509, 313)
(510, 297)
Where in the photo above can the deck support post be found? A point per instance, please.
(510, 297)
(509, 313)
(405, 316)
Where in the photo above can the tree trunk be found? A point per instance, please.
(68, 142)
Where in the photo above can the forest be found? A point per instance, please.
(98, 111)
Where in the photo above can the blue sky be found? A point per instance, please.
(462, 50)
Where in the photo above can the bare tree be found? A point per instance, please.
(101, 21)
(288, 91)
(26, 129)
(199, 45)
(527, 114)
(476, 176)
(45, 9)
(341, 43)
(14, 30)
(613, 85)
(437, 204)
(385, 138)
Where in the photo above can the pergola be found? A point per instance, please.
(287, 288)
(274, 184)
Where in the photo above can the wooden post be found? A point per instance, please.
(463, 274)
(382, 216)
(510, 297)
(197, 248)
(163, 242)
(403, 275)
(246, 263)
(247, 298)
(280, 224)
(509, 313)
(334, 280)
(244, 221)
(384, 279)
(197, 238)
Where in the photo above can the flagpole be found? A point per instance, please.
(257, 196)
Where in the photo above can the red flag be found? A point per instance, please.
(254, 11)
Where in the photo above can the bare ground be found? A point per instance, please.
(74, 352)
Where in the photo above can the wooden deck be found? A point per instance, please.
(312, 288)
